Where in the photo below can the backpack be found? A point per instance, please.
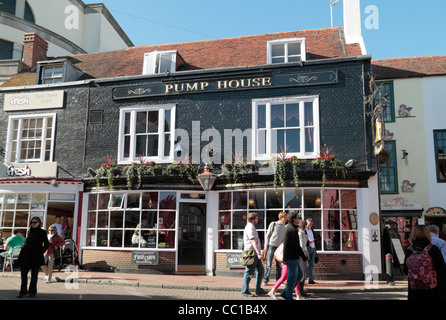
(420, 268)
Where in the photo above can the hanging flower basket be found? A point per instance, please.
(235, 169)
(328, 161)
(110, 170)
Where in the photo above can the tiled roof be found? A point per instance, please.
(211, 54)
(409, 67)
(221, 53)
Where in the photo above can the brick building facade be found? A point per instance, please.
(134, 144)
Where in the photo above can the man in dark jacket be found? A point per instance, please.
(291, 253)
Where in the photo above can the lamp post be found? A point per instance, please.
(207, 179)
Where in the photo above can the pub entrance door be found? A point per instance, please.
(192, 238)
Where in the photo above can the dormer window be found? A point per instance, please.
(286, 50)
(159, 62)
(52, 74)
(56, 71)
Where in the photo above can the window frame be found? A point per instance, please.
(100, 220)
(389, 111)
(286, 43)
(437, 155)
(231, 209)
(286, 100)
(152, 60)
(9, 141)
(52, 79)
(160, 158)
(390, 146)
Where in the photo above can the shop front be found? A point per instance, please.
(21, 199)
(193, 231)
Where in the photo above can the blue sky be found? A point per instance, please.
(403, 28)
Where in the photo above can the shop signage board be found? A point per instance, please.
(226, 84)
(33, 100)
(145, 257)
(234, 260)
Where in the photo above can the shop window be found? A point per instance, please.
(386, 99)
(286, 50)
(17, 209)
(334, 214)
(31, 138)
(159, 62)
(440, 154)
(132, 220)
(388, 171)
(146, 133)
(288, 125)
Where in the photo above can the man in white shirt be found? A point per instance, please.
(311, 239)
(251, 240)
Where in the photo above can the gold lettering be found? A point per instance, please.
(193, 87)
(266, 82)
(245, 85)
(168, 88)
(231, 84)
(177, 86)
(256, 82)
(222, 84)
(204, 85)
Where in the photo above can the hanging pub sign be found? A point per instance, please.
(219, 85)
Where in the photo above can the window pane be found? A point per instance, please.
(261, 116)
(127, 123)
(292, 115)
(168, 200)
(239, 219)
(294, 48)
(141, 122)
(167, 121)
(141, 145)
(167, 145)
(153, 121)
(293, 140)
(309, 140)
(308, 106)
(224, 202)
(152, 149)
(277, 116)
(277, 50)
(117, 219)
(261, 142)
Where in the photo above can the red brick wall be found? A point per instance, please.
(330, 266)
(123, 260)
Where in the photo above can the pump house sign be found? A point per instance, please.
(255, 82)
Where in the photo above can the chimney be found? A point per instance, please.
(352, 23)
(34, 49)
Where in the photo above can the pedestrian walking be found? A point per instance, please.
(304, 243)
(291, 253)
(251, 241)
(274, 237)
(31, 257)
(436, 240)
(312, 244)
(425, 267)
(55, 243)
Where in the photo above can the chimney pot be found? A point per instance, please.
(34, 50)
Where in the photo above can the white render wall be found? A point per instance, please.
(434, 101)
(69, 27)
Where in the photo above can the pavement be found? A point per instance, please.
(203, 282)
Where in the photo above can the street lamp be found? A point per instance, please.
(207, 179)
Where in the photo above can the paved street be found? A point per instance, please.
(9, 287)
